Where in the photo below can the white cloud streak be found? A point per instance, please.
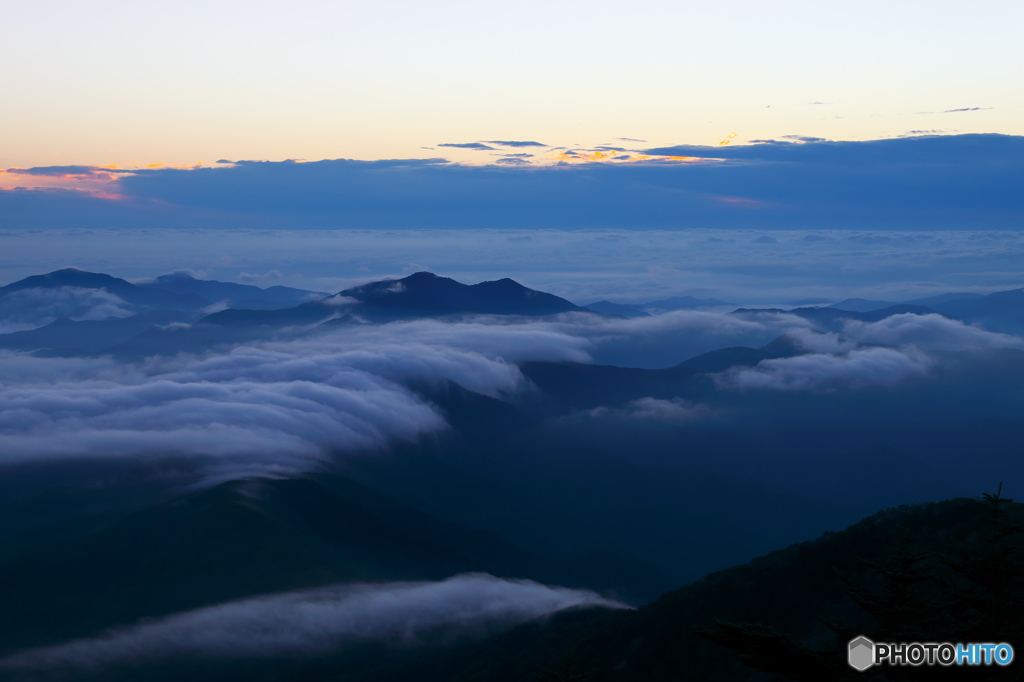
(38, 306)
(855, 369)
(928, 331)
(653, 409)
(322, 620)
(271, 409)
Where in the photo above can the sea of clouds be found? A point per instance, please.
(280, 407)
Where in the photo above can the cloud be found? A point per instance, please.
(178, 273)
(954, 111)
(512, 161)
(38, 306)
(260, 278)
(825, 371)
(928, 331)
(653, 409)
(467, 145)
(941, 182)
(341, 301)
(62, 171)
(273, 409)
(804, 138)
(518, 143)
(816, 342)
(322, 620)
(279, 408)
(887, 265)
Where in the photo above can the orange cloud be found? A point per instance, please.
(740, 201)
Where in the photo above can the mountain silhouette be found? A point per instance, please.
(235, 295)
(778, 599)
(742, 356)
(1002, 311)
(66, 336)
(250, 537)
(422, 294)
(861, 305)
(425, 294)
(135, 295)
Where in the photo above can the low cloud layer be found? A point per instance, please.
(928, 331)
(826, 371)
(35, 307)
(278, 408)
(653, 409)
(272, 409)
(321, 621)
(624, 266)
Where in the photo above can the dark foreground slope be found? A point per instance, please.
(956, 549)
(783, 599)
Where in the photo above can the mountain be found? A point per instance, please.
(740, 356)
(422, 294)
(66, 336)
(567, 386)
(137, 296)
(861, 305)
(425, 294)
(624, 309)
(252, 537)
(235, 295)
(580, 482)
(772, 609)
(935, 301)
(812, 301)
(1002, 311)
(683, 303)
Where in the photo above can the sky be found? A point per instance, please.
(756, 152)
(118, 82)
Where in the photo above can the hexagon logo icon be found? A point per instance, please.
(861, 653)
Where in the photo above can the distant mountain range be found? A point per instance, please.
(1001, 311)
(171, 313)
(232, 294)
(422, 294)
(139, 297)
(166, 315)
(659, 306)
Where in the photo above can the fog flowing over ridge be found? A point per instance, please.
(272, 409)
(281, 407)
(323, 619)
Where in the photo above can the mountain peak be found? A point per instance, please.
(425, 294)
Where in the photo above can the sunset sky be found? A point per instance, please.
(717, 121)
(130, 83)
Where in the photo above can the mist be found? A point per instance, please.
(322, 620)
